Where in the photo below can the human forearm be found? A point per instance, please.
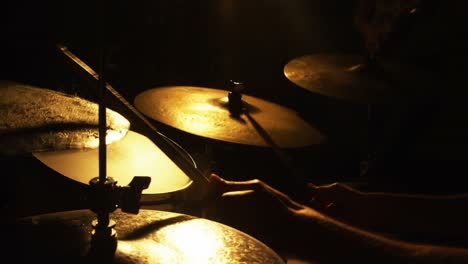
(409, 214)
(396, 213)
(342, 243)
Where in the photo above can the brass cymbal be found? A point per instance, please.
(131, 156)
(351, 78)
(204, 112)
(151, 236)
(34, 119)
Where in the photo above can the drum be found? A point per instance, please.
(49, 151)
(151, 236)
(133, 155)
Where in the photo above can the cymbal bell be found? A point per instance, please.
(34, 119)
(204, 112)
(350, 77)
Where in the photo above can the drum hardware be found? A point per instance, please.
(231, 117)
(360, 79)
(61, 131)
(106, 234)
(297, 180)
(204, 112)
(104, 195)
(151, 236)
(134, 154)
(104, 198)
(235, 105)
(171, 148)
(371, 80)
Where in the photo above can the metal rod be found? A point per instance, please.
(102, 92)
(102, 119)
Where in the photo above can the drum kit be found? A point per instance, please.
(63, 132)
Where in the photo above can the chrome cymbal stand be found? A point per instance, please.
(104, 195)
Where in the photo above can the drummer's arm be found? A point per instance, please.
(327, 240)
(444, 216)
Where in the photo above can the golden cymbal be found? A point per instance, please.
(151, 236)
(34, 119)
(350, 77)
(133, 155)
(204, 112)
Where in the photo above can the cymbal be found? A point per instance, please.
(133, 155)
(151, 236)
(34, 119)
(204, 112)
(349, 77)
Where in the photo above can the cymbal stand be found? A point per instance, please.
(104, 195)
(368, 165)
(171, 148)
(401, 28)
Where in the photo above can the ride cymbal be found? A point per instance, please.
(350, 77)
(204, 112)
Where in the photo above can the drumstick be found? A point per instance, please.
(297, 179)
(168, 146)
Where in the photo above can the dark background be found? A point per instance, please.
(206, 43)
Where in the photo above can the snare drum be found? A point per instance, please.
(133, 155)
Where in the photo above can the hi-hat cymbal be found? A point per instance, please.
(150, 237)
(204, 112)
(350, 77)
(133, 155)
(34, 119)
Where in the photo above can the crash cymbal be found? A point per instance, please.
(151, 236)
(133, 155)
(34, 119)
(204, 112)
(350, 77)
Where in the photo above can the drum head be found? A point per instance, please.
(133, 155)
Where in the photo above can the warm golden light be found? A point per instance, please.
(198, 240)
(111, 136)
(204, 111)
(354, 67)
(149, 237)
(156, 252)
(132, 155)
(192, 240)
(36, 119)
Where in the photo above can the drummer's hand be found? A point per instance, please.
(255, 208)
